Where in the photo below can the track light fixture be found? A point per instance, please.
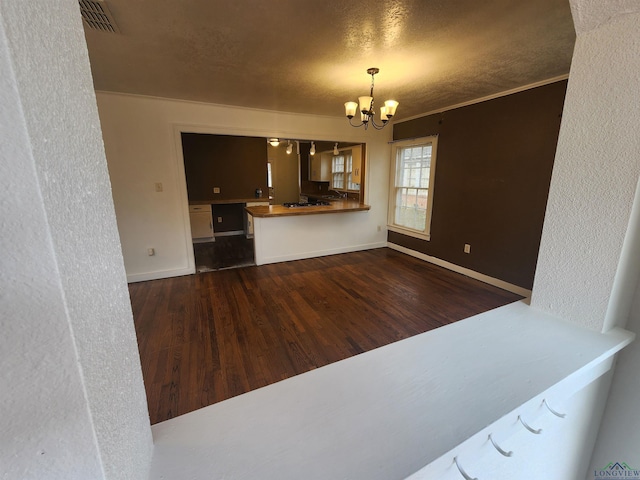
(289, 147)
(313, 149)
(366, 108)
(335, 149)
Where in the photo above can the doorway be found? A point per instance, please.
(222, 174)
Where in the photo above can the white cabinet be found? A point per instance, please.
(201, 222)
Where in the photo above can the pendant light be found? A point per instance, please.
(367, 112)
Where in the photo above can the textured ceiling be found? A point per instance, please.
(304, 56)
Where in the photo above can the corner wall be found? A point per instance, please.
(589, 245)
(594, 178)
(492, 179)
(73, 400)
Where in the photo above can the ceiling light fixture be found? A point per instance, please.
(335, 149)
(274, 142)
(289, 147)
(313, 149)
(366, 108)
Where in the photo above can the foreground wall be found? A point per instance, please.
(588, 263)
(142, 142)
(73, 402)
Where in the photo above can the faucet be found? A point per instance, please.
(340, 194)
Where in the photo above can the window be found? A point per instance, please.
(338, 172)
(411, 193)
(342, 172)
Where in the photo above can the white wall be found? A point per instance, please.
(588, 265)
(281, 239)
(619, 435)
(73, 402)
(595, 174)
(141, 136)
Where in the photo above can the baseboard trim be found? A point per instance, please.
(143, 277)
(231, 233)
(496, 282)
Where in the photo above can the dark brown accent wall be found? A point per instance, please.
(238, 165)
(493, 169)
(232, 215)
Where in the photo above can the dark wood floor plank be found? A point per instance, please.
(208, 337)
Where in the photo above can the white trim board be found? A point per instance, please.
(157, 275)
(230, 233)
(496, 282)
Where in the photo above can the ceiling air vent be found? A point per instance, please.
(96, 15)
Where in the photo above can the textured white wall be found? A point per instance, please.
(141, 138)
(588, 265)
(45, 423)
(71, 371)
(594, 178)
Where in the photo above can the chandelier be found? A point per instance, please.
(366, 108)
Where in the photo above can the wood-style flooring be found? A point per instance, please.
(205, 338)
(225, 252)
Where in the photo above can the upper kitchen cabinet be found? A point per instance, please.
(356, 166)
(320, 167)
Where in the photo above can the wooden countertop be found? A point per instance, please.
(282, 211)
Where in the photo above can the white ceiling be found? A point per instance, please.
(312, 56)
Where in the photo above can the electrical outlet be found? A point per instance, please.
(151, 252)
(158, 187)
(216, 189)
(219, 219)
(379, 228)
(467, 248)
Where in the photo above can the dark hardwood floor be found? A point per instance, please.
(208, 337)
(226, 252)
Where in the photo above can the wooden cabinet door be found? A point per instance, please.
(356, 165)
(320, 168)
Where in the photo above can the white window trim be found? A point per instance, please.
(426, 234)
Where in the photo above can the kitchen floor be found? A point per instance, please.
(226, 252)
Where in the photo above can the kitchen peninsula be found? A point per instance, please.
(284, 211)
(292, 233)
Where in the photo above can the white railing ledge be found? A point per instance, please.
(388, 413)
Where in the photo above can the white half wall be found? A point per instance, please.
(142, 142)
(619, 436)
(73, 401)
(280, 239)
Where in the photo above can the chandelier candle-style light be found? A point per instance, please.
(366, 108)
